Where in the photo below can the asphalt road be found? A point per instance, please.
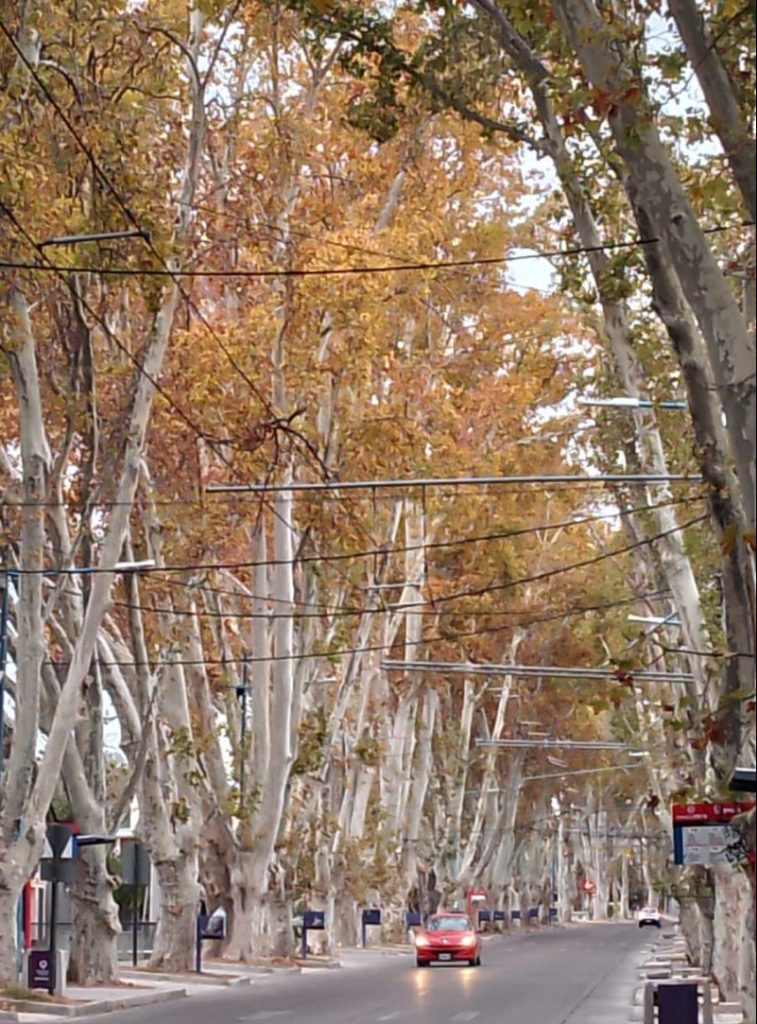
(577, 975)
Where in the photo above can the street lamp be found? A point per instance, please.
(562, 744)
(96, 236)
(627, 402)
(655, 620)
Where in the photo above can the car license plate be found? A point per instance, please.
(445, 956)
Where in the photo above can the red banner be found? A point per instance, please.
(704, 812)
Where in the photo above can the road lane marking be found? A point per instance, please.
(390, 1016)
(467, 1015)
(263, 1015)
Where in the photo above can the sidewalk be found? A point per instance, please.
(139, 988)
(669, 963)
(84, 1002)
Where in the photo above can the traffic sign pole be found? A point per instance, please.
(53, 937)
(134, 925)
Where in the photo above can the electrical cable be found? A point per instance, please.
(112, 337)
(329, 654)
(275, 422)
(382, 551)
(301, 272)
(426, 613)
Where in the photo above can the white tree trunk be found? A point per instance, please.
(731, 128)
(174, 948)
(272, 709)
(652, 180)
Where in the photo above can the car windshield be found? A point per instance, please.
(448, 924)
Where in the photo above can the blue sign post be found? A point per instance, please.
(208, 927)
(371, 916)
(484, 916)
(678, 1003)
(312, 920)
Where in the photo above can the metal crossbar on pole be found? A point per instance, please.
(562, 744)
(635, 479)
(556, 671)
(566, 774)
(587, 771)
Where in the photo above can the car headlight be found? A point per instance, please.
(468, 940)
(421, 940)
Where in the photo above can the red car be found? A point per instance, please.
(448, 937)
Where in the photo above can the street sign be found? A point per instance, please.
(208, 927)
(744, 780)
(59, 854)
(678, 1003)
(65, 871)
(39, 968)
(370, 916)
(695, 813)
(59, 843)
(702, 833)
(135, 864)
(314, 920)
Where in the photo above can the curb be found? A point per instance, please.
(253, 971)
(90, 1009)
(182, 979)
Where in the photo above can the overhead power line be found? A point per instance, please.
(419, 265)
(276, 422)
(112, 337)
(347, 612)
(559, 570)
(477, 591)
(630, 479)
(448, 636)
(382, 551)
